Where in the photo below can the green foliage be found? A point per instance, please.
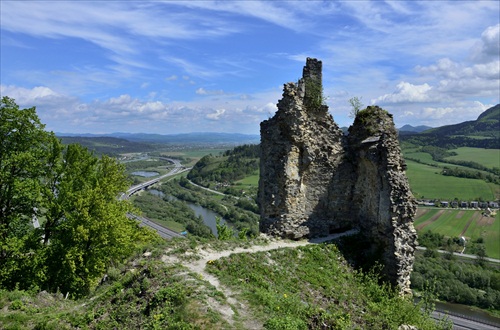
(356, 106)
(233, 165)
(286, 322)
(459, 282)
(224, 233)
(108, 145)
(146, 294)
(314, 98)
(172, 213)
(449, 141)
(74, 196)
(24, 148)
(238, 218)
(431, 240)
(93, 228)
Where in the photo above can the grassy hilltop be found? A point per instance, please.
(166, 287)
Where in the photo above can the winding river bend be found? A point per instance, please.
(208, 216)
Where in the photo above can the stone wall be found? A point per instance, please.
(315, 181)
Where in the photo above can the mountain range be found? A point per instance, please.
(486, 125)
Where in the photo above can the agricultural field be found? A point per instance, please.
(252, 180)
(189, 157)
(487, 157)
(427, 182)
(455, 223)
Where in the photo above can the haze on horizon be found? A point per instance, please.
(172, 67)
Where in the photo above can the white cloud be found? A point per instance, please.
(126, 113)
(202, 91)
(405, 93)
(456, 112)
(25, 95)
(489, 47)
(216, 115)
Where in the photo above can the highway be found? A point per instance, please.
(463, 322)
(176, 170)
(162, 231)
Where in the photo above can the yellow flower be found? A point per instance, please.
(285, 295)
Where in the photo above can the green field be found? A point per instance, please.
(487, 157)
(468, 223)
(427, 182)
(426, 158)
(252, 180)
(193, 155)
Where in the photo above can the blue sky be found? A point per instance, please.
(219, 66)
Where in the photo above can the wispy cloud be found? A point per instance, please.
(219, 64)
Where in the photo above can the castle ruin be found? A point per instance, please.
(314, 180)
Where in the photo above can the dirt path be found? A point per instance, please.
(227, 311)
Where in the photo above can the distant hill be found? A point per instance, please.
(200, 138)
(408, 129)
(413, 129)
(486, 125)
(108, 145)
(484, 132)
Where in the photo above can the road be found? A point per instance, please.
(464, 323)
(470, 256)
(208, 189)
(176, 170)
(162, 231)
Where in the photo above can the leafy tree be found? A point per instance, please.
(356, 106)
(481, 255)
(23, 159)
(93, 228)
(74, 194)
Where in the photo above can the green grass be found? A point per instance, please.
(252, 180)
(453, 223)
(281, 289)
(311, 287)
(427, 182)
(421, 156)
(420, 219)
(426, 158)
(487, 157)
(193, 155)
(489, 230)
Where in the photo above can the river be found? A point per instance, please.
(207, 215)
(145, 174)
(467, 312)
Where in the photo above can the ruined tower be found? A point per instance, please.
(315, 181)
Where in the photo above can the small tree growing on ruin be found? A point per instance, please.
(356, 106)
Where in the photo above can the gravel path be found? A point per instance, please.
(198, 267)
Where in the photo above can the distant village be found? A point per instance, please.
(488, 206)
